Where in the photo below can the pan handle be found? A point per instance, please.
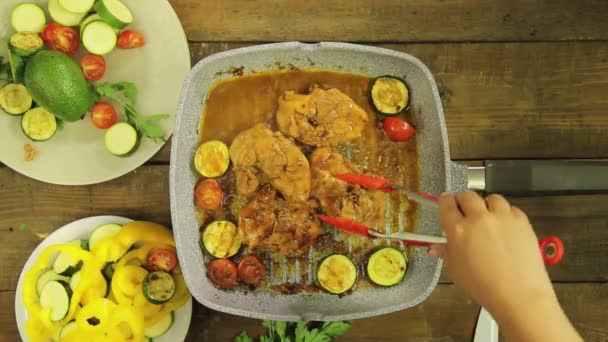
(540, 177)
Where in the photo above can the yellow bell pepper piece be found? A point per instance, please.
(41, 327)
(112, 248)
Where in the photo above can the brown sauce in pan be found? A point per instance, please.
(239, 103)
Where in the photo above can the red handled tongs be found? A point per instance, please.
(552, 248)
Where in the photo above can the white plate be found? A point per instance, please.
(76, 155)
(82, 229)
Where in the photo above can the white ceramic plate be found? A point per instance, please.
(82, 229)
(76, 155)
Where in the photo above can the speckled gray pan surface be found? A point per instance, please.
(438, 174)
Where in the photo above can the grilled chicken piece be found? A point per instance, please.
(258, 154)
(320, 118)
(339, 198)
(273, 224)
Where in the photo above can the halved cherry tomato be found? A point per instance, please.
(93, 66)
(130, 39)
(252, 270)
(49, 34)
(223, 273)
(161, 260)
(103, 115)
(208, 194)
(66, 40)
(397, 129)
(552, 249)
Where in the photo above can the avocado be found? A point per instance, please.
(56, 83)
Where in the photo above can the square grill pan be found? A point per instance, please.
(437, 174)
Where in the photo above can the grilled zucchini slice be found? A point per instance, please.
(212, 159)
(337, 274)
(386, 266)
(221, 239)
(390, 95)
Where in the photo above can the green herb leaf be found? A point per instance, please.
(128, 89)
(243, 337)
(125, 94)
(331, 330)
(22, 227)
(301, 332)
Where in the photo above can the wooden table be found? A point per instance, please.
(518, 79)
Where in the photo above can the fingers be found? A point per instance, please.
(471, 203)
(449, 213)
(438, 251)
(497, 204)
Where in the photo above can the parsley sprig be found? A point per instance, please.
(299, 332)
(125, 94)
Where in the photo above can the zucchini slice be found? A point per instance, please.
(337, 274)
(99, 38)
(221, 239)
(28, 17)
(386, 266)
(63, 16)
(161, 327)
(102, 232)
(212, 159)
(25, 44)
(121, 139)
(55, 296)
(15, 99)
(114, 12)
(38, 124)
(390, 95)
(47, 277)
(17, 67)
(67, 328)
(64, 265)
(77, 6)
(158, 287)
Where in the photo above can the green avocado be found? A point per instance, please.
(56, 83)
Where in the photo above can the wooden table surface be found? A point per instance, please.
(518, 79)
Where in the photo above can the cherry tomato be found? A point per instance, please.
(66, 40)
(552, 249)
(93, 66)
(223, 273)
(252, 270)
(130, 39)
(161, 260)
(397, 129)
(208, 194)
(49, 34)
(103, 115)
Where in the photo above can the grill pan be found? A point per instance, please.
(437, 174)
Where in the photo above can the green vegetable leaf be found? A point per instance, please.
(128, 89)
(22, 227)
(301, 332)
(331, 330)
(243, 337)
(125, 94)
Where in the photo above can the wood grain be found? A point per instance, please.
(392, 20)
(447, 315)
(516, 100)
(30, 210)
(582, 221)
